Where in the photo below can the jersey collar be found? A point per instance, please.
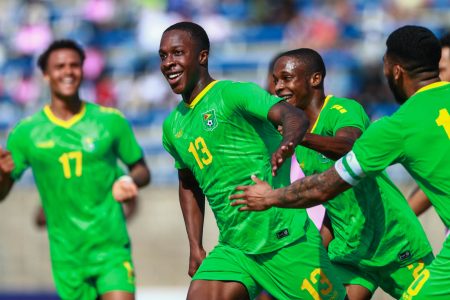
(432, 86)
(201, 94)
(323, 106)
(65, 123)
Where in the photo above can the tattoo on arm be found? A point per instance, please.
(312, 190)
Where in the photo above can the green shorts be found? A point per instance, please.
(434, 281)
(301, 270)
(89, 282)
(393, 281)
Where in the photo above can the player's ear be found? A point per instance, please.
(397, 71)
(316, 79)
(203, 57)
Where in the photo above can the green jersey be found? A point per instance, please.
(373, 224)
(75, 164)
(417, 136)
(224, 137)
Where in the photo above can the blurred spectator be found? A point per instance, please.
(26, 91)
(104, 91)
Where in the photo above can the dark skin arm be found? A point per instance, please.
(294, 123)
(140, 173)
(306, 192)
(419, 202)
(6, 167)
(192, 202)
(333, 147)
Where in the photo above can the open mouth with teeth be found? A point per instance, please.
(173, 77)
(286, 97)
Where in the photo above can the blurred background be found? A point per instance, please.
(121, 40)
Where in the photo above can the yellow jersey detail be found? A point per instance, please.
(202, 93)
(324, 104)
(65, 123)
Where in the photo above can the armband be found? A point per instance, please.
(349, 169)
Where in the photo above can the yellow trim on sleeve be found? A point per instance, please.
(201, 94)
(64, 123)
(323, 106)
(432, 86)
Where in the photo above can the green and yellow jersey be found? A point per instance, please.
(372, 222)
(75, 164)
(417, 136)
(224, 137)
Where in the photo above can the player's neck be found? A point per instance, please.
(199, 87)
(314, 107)
(65, 109)
(417, 85)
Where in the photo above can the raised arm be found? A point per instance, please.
(333, 147)
(192, 202)
(294, 123)
(6, 167)
(306, 192)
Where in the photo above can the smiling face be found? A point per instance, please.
(180, 61)
(292, 82)
(64, 73)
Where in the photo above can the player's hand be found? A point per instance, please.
(6, 162)
(124, 189)
(253, 197)
(195, 260)
(280, 156)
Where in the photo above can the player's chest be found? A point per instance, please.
(54, 143)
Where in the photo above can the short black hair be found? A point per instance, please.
(310, 58)
(195, 31)
(56, 45)
(445, 40)
(416, 48)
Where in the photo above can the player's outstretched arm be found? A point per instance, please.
(333, 147)
(306, 192)
(6, 167)
(192, 202)
(295, 124)
(126, 187)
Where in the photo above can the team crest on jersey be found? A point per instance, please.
(88, 144)
(209, 120)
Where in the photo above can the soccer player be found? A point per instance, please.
(220, 133)
(73, 148)
(418, 201)
(316, 213)
(417, 135)
(378, 240)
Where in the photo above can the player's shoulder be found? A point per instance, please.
(93, 108)
(342, 102)
(30, 122)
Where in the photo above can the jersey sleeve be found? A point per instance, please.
(170, 148)
(127, 147)
(348, 114)
(16, 144)
(379, 147)
(250, 98)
